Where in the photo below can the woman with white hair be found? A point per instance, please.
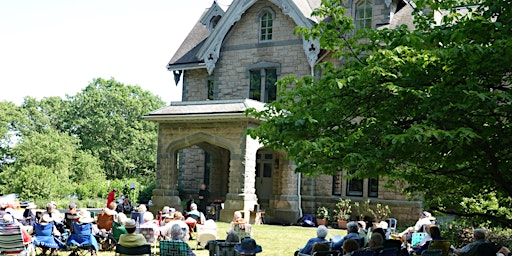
(150, 224)
(178, 236)
(321, 233)
(353, 233)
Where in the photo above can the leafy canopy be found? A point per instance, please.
(429, 107)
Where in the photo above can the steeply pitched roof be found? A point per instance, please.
(187, 53)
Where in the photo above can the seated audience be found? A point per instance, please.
(321, 233)
(126, 207)
(131, 239)
(194, 213)
(232, 237)
(350, 246)
(178, 219)
(353, 233)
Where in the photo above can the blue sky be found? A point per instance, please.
(56, 47)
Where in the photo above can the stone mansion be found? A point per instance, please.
(229, 62)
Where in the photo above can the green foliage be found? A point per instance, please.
(56, 149)
(322, 212)
(343, 209)
(379, 211)
(107, 117)
(429, 108)
(146, 193)
(362, 209)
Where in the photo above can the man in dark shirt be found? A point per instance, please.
(204, 197)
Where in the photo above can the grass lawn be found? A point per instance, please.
(275, 240)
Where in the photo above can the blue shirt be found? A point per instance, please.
(339, 244)
(309, 245)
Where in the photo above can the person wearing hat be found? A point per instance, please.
(248, 246)
(131, 239)
(82, 231)
(46, 235)
(29, 215)
(424, 220)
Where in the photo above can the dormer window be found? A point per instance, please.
(363, 14)
(266, 21)
(214, 21)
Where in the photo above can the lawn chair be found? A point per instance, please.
(81, 241)
(139, 250)
(391, 224)
(486, 249)
(205, 233)
(416, 238)
(173, 248)
(326, 253)
(149, 234)
(43, 237)
(443, 245)
(11, 241)
(389, 252)
(191, 222)
(363, 253)
(105, 239)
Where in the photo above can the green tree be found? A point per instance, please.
(107, 117)
(429, 107)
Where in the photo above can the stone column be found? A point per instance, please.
(242, 177)
(286, 201)
(166, 191)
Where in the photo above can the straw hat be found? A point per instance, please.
(46, 218)
(84, 216)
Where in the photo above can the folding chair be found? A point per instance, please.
(139, 250)
(11, 240)
(364, 253)
(191, 227)
(486, 249)
(149, 234)
(391, 224)
(205, 233)
(44, 239)
(416, 238)
(173, 248)
(443, 245)
(105, 222)
(82, 241)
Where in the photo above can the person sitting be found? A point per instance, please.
(126, 207)
(353, 233)
(363, 233)
(46, 235)
(350, 246)
(321, 233)
(471, 249)
(424, 220)
(376, 243)
(248, 247)
(177, 237)
(434, 234)
(149, 223)
(232, 237)
(9, 219)
(118, 226)
(83, 232)
(240, 225)
(131, 239)
(29, 217)
(178, 219)
(194, 213)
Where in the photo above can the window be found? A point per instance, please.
(210, 87)
(263, 84)
(354, 187)
(214, 21)
(266, 22)
(363, 14)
